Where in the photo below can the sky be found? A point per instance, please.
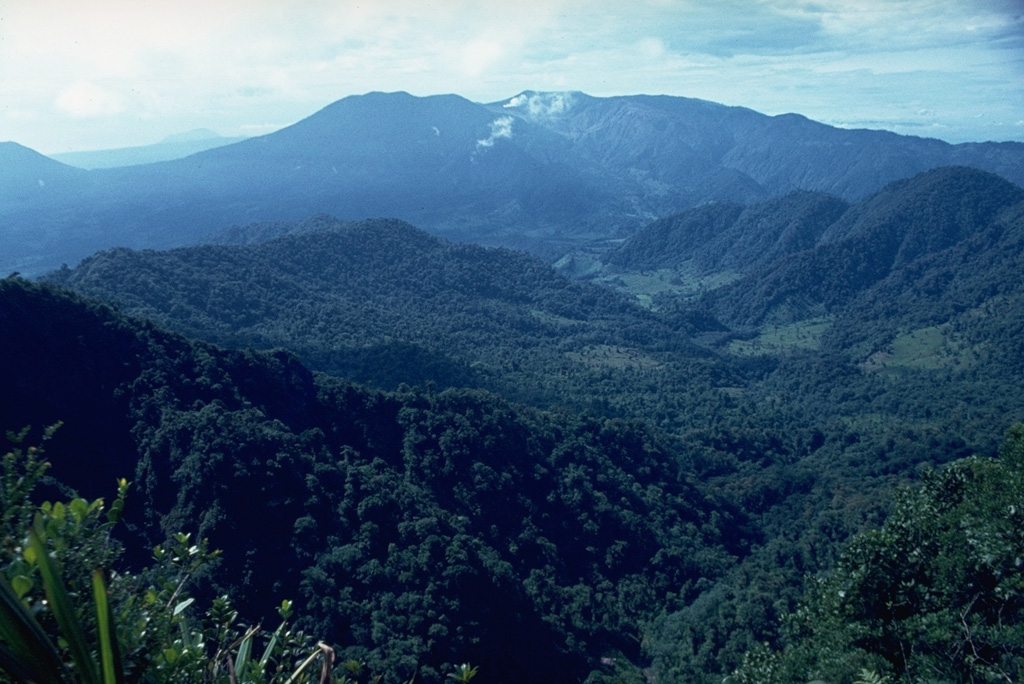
(96, 74)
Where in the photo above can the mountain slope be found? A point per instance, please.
(906, 308)
(383, 302)
(728, 237)
(684, 140)
(540, 171)
(28, 178)
(906, 221)
(172, 147)
(392, 518)
(963, 305)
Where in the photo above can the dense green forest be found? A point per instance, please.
(445, 453)
(383, 303)
(392, 518)
(936, 594)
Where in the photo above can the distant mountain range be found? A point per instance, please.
(171, 147)
(541, 171)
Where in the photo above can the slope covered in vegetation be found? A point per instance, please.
(664, 481)
(393, 519)
(936, 594)
(384, 303)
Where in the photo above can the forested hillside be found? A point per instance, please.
(935, 594)
(885, 233)
(393, 518)
(395, 429)
(385, 303)
(731, 238)
(904, 311)
(770, 443)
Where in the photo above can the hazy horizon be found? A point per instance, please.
(119, 74)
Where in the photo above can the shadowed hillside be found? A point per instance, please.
(906, 221)
(393, 518)
(383, 302)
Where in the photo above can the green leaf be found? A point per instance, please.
(110, 651)
(244, 651)
(268, 652)
(21, 585)
(183, 605)
(60, 604)
(79, 509)
(29, 554)
(27, 654)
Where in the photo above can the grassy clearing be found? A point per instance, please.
(684, 282)
(775, 339)
(930, 348)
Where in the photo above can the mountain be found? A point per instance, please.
(907, 298)
(27, 177)
(908, 301)
(171, 147)
(958, 306)
(873, 240)
(385, 303)
(727, 237)
(771, 429)
(194, 135)
(541, 171)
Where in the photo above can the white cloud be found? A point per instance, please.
(541, 105)
(157, 67)
(479, 55)
(85, 99)
(500, 128)
(651, 48)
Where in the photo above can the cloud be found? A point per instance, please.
(84, 99)
(172, 66)
(500, 128)
(479, 55)
(541, 105)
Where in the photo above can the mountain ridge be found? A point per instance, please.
(552, 172)
(172, 147)
(348, 296)
(26, 175)
(905, 221)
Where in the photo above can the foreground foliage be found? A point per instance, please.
(68, 616)
(394, 519)
(935, 595)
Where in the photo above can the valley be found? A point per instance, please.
(640, 381)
